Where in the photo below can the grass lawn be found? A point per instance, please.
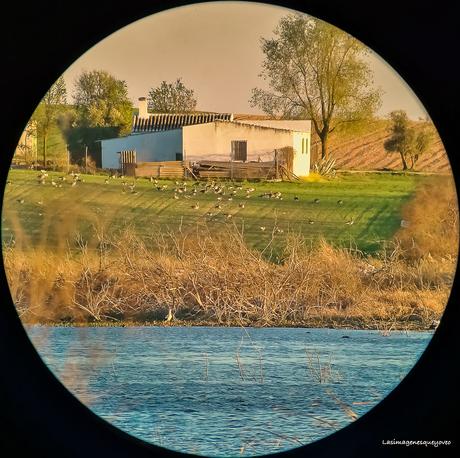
(42, 215)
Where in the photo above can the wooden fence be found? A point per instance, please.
(214, 169)
(277, 169)
(243, 170)
(128, 162)
(166, 169)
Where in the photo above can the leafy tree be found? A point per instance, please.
(47, 112)
(172, 98)
(316, 71)
(102, 101)
(407, 140)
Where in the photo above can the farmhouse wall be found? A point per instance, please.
(213, 141)
(301, 161)
(150, 147)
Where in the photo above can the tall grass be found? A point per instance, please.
(219, 279)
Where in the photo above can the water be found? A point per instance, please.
(228, 391)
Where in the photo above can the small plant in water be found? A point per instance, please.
(320, 371)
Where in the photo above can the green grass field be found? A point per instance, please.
(42, 215)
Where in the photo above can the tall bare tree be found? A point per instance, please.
(48, 111)
(316, 71)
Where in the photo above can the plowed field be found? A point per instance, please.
(366, 152)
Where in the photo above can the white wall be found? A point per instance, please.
(212, 141)
(301, 162)
(153, 146)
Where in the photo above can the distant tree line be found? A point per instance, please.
(101, 109)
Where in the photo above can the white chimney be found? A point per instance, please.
(143, 108)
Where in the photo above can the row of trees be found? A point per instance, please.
(101, 108)
(313, 71)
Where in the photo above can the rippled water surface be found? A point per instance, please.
(228, 391)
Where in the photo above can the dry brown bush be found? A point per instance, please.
(218, 279)
(432, 215)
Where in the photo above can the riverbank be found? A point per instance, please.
(384, 326)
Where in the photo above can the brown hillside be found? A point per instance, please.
(365, 151)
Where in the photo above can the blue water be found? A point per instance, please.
(228, 391)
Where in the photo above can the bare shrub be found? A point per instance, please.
(432, 217)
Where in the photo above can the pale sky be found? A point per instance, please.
(215, 49)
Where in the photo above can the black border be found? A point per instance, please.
(38, 416)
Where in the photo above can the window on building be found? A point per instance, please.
(305, 145)
(179, 157)
(240, 150)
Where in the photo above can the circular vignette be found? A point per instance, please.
(36, 402)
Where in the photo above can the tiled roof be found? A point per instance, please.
(168, 121)
(252, 117)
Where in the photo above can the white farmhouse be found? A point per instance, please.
(199, 137)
